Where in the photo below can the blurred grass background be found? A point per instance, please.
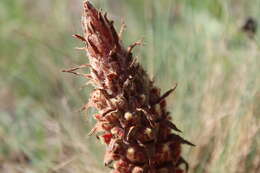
(198, 44)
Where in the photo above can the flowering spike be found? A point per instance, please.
(132, 121)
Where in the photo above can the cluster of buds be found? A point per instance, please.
(132, 121)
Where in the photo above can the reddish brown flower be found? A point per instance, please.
(132, 121)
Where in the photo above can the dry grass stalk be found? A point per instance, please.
(132, 121)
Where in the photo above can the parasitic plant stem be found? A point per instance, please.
(132, 121)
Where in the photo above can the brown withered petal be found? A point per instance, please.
(133, 121)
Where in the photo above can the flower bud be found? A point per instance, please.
(145, 135)
(136, 155)
(128, 116)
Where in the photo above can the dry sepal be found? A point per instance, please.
(132, 121)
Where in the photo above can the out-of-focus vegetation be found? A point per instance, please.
(196, 43)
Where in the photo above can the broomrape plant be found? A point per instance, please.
(133, 120)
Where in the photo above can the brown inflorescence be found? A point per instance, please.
(132, 121)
